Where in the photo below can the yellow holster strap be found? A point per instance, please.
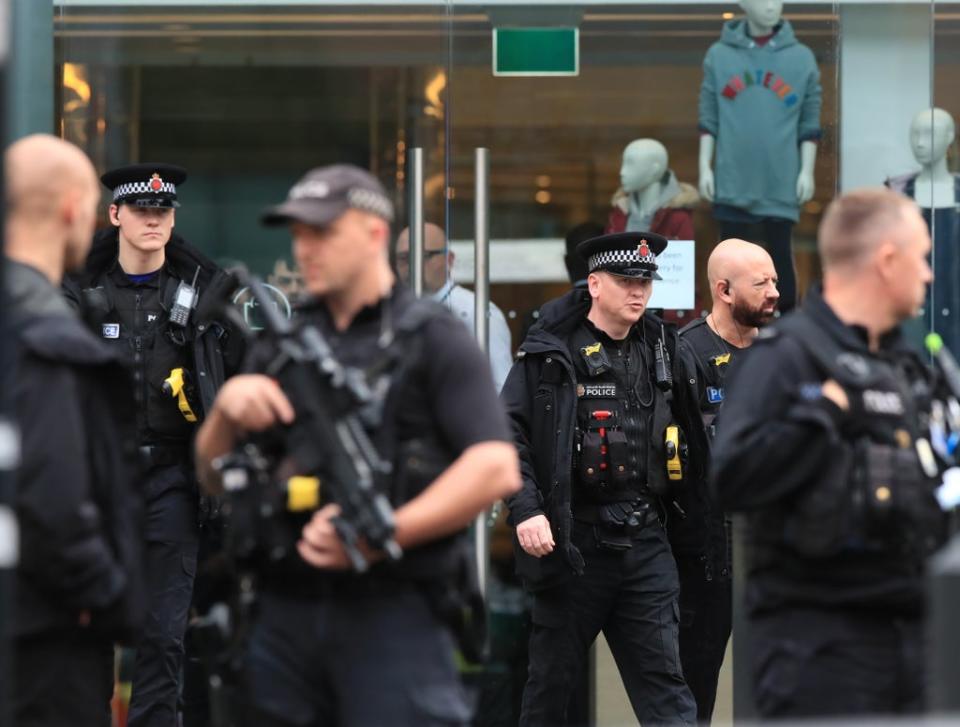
(174, 386)
(672, 451)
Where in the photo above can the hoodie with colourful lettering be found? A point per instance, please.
(759, 101)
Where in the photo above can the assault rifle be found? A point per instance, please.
(333, 456)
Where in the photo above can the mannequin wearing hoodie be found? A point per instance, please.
(760, 121)
(937, 192)
(650, 198)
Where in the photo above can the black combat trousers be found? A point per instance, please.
(63, 677)
(817, 663)
(374, 655)
(631, 596)
(706, 620)
(170, 555)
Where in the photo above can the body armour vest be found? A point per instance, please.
(620, 414)
(134, 316)
(876, 494)
(713, 359)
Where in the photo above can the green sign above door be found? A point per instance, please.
(536, 51)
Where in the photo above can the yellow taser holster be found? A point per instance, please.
(671, 448)
(175, 385)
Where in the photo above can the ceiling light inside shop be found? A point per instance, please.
(727, 16)
(432, 93)
(543, 180)
(74, 79)
(542, 197)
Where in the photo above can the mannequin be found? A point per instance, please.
(937, 192)
(650, 198)
(932, 131)
(760, 123)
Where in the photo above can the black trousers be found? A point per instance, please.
(629, 595)
(352, 661)
(774, 234)
(61, 678)
(171, 565)
(706, 619)
(818, 663)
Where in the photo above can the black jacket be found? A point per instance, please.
(541, 401)
(789, 457)
(216, 348)
(80, 515)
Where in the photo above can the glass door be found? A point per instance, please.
(559, 93)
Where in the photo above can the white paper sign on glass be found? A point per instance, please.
(677, 266)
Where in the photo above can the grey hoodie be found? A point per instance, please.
(759, 102)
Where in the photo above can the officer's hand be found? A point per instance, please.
(322, 548)
(835, 393)
(253, 402)
(535, 536)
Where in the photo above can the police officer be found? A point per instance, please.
(743, 285)
(149, 294)
(331, 646)
(78, 586)
(593, 399)
(823, 441)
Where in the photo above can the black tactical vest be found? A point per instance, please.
(620, 415)
(135, 317)
(876, 494)
(713, 359)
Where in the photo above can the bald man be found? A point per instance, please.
(78, 586)
(821, 441)
(438, 283)
(743, 285)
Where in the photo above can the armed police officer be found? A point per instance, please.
(330, 645)
(824, 442)
(743, 286)
(148, 294)
(79, 580)
(598, 402)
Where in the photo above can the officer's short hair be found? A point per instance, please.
(856, 222)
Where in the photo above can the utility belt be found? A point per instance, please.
(165, 455)
(616, 524)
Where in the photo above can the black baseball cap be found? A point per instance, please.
(325, 193)
(145, 185)
(628, 254)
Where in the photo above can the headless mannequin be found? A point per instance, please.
(763, 18)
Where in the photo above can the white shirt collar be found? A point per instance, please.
(441, 295)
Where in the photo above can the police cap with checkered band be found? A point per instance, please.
(145, 185)
(627, 254)
(325, 193)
